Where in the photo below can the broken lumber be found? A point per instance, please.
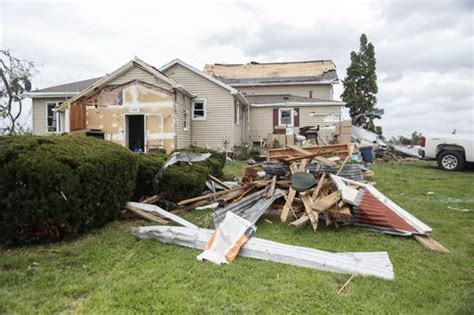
(308, 205)
(430, 243)
(204, 197)
(214, 179)
(271, 190)
(147, 216)
(326, 202)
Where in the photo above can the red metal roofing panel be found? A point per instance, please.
(371, 211)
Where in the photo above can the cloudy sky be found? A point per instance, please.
(424, 49)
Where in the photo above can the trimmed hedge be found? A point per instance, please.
(58, 187)
(180, 181)
(148, 165)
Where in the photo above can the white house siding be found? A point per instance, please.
(261, 119)
(183, 137)
(38, 113)
(322, 91)
(138, 74)
(219, 124)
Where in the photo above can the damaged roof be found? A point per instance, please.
(254, 73)
(288, 100)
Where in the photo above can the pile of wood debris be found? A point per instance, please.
(308, 187)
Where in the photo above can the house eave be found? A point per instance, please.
(300, 104)
(49, 94)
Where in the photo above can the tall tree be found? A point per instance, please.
(15, 79)
(360, 85)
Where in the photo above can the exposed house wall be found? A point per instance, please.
(261, 122)
(157, 105)
(322, 91)
(183, 136)
(38, 113)
(219, 124)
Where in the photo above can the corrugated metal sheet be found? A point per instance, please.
(375, 264)
(372, 212)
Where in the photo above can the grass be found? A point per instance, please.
(108, 271)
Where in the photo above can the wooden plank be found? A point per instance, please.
(298, 149)
(303, 164)
(287, 207)
(325, 203)
(341, 213)
(214, 179)
(154, 198)
(243, 194)
(271, 190)
(431, 243)
(321, 182)
(343, 164)
(308, 205)
(204, 197)
(293, 168)
(147, 216)
(300, 222)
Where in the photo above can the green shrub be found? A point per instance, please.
(179, 181)
(148, 165)
(57, 187)
(215, 163)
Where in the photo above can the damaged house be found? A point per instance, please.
(226, 105)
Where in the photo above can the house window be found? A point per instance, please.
(186, 121)
(285, 117)
(51, 117)
(199, 109)
(310, 94)
(237, 113)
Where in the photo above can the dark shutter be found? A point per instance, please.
(235, 112)
(275, 117)
(296, 118)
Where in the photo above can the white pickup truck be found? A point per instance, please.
(452, 151)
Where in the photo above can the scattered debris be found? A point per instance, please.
(303, 186)
(458, 209)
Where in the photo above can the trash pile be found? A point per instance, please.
(304, 187)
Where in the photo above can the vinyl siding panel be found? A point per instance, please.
(183, 137)
(38, 113)
(261, 120)
(219, 124)
(141, 75)
(323, 91)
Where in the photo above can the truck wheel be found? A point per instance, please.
(451, 161)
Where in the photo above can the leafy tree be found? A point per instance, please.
(15, 76)
(360, 85)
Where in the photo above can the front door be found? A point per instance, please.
(135, 135)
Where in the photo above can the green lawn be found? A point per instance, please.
(108, 271)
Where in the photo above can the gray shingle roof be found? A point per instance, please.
(77, 86)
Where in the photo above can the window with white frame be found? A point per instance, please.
(199, 109)
(51, 117)
(186, 121)
(285, 117)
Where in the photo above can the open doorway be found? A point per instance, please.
(135, 132)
